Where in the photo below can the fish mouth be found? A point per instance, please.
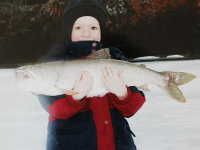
(21, 74)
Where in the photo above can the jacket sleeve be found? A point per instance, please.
(66, 107)
(131, 104)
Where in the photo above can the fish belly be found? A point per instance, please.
(134, 75)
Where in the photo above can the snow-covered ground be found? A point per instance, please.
(161, 124)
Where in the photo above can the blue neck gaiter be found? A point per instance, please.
(81, 49)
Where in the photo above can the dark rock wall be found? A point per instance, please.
(28, 28)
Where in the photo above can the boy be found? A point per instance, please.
(96, 123)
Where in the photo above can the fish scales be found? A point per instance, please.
(49, 78)
(133, 74)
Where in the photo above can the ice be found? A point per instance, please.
(161, 124)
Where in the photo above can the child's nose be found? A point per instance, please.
(86, 33)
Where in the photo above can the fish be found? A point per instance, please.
(58, 77)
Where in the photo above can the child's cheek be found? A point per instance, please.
(97, 37)
(75, 36)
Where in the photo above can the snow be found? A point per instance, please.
(161, 124)
(146, 58)
(175, 56)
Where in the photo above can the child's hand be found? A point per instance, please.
(83, 85)
(113, 81)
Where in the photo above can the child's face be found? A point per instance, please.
(86, 28)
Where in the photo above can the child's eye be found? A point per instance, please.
(77, 28)
(94, 28)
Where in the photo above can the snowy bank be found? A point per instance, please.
(161, 124)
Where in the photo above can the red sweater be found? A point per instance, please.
(67, 107)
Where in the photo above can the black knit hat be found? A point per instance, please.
(79, 8)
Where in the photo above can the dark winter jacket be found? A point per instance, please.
(95, 123)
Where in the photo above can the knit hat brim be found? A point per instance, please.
(71, 15)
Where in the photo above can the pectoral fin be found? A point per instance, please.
(66, 91)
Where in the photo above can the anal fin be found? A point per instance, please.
(144, 88)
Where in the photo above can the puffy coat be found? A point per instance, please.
(96, 123)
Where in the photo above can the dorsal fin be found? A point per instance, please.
(100, 54)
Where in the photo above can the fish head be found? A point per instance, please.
(35, 78)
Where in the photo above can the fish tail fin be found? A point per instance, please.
(179, 78)
(175, 92)
(174, 80)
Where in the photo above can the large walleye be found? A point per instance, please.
(49, 78)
